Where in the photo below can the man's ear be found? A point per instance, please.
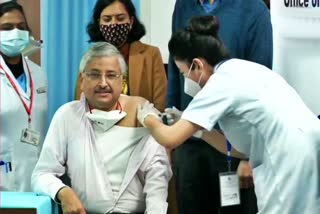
(81, 78)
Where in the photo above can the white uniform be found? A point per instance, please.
(264, 118)
(71, 146)
(13, 119)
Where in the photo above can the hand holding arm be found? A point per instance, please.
(146, 110)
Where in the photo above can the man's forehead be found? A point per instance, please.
(104, 63)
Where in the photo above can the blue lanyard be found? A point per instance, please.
(229, 148)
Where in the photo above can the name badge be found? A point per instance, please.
(229, 189)
(30, 136)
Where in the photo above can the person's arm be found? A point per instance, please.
(170, 136)
(159, 81)
(51, 165)
(259, 40)
(157, 175)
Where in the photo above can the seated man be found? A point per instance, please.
(114, 166)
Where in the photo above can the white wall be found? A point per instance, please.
(156, 16)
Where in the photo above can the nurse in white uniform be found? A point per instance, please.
(258, 112)
(23, 102)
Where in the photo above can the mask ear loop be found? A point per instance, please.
(190, 69)
(200, 78)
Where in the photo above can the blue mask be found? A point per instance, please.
(13, 42)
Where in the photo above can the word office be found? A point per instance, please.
(302, 3)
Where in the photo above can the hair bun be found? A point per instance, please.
(205, 25)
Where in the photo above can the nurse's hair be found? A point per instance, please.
(102, 49)
(9, 6)
(199, 40)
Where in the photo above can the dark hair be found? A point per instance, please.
(10, 6)
(136, 33)
(199, 39)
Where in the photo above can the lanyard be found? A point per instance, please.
(229, 147)
(29, 109)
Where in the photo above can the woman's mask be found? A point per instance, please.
(13, 42)
(105, 119)
(191, 87)
(116, 34)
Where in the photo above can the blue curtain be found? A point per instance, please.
(65, 41)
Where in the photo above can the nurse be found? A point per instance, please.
(262, 116)
(23, 102)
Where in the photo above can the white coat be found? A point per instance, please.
(264, 118)
(13, 119)
(70, 146)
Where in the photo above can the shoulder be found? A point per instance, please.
(131, 101)
(33, 65)
(68, 110)
(138, 46)
(255, 9)
(35, 68)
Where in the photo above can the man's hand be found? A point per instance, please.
(145, 110)
(244, 172)
(70, 203)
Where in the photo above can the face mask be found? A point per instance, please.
(105, 119)
(116, 34)
(190, 86)
(13, 42)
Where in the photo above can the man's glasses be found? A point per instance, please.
(97, 76)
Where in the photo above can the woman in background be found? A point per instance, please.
(116, 22)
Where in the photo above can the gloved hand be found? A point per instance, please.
(173, 115)
(145, 110)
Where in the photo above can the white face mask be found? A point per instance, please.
(191, 87)
(105, 119)
(13, 42)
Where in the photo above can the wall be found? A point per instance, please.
(32, 12)
(156, 16)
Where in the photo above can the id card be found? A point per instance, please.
(30, 136)
(229, 189)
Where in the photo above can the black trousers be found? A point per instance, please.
(196, 166)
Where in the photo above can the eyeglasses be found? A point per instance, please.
(96, 76)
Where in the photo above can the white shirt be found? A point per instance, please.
(264, 118)
(70, 146)
(13, 119)
(117, 152)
